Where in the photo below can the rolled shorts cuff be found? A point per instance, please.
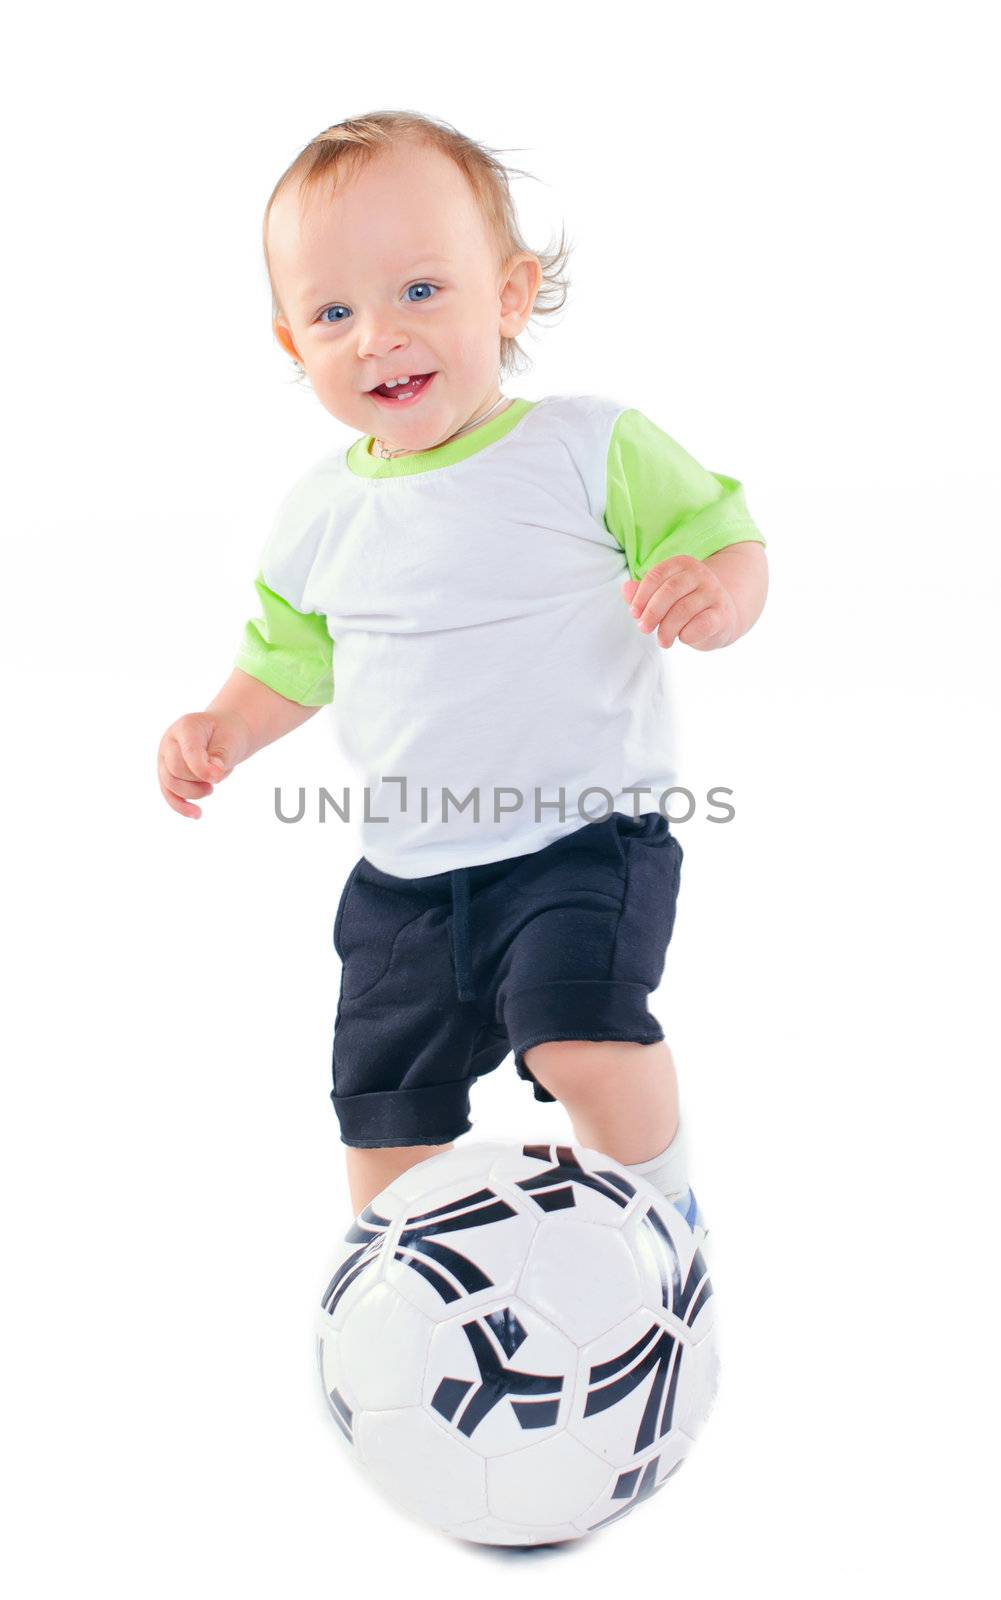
(577, 1009)
(436, 1113)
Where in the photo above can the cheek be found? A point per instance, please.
(330, 366)
(479, 342)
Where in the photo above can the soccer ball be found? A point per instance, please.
(518, 1342)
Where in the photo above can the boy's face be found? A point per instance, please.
(392, 276)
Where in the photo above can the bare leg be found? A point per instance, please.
(371, 1171)
(622, 1098)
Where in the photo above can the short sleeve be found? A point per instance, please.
(291, 651)
(660, 502)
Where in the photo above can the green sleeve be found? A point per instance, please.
(659, 502)
(289, 650)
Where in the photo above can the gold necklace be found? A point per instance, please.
(386, 454)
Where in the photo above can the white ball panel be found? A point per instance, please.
(552, 1482)
(490, 1530)
(581, 1276)
(383, 1350)
(420, 1467)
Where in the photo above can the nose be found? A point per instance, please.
(378, 338)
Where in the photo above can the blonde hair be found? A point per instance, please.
(351, 144)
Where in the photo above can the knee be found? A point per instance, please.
(576, 1068)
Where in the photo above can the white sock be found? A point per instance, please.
(668, 1172)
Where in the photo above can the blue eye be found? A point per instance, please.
(323, 316)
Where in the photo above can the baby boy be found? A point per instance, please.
(489, 582)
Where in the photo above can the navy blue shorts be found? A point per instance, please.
(443, 976)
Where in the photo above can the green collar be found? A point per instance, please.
(366, 465)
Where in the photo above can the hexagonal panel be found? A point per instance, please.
(500, 1377)
(419, 1467)
(580, 1275)
(382, 1350)
(555, 1481)
(490, 1530)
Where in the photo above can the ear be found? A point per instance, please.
(283, 333)
(521, 283)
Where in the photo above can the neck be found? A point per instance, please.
(499, 402)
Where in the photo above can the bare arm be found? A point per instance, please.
(201, 748)
(264, 714)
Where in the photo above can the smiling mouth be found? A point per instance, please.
(399, 394)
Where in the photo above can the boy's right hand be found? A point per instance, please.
(196, 752)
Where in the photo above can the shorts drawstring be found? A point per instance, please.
(460, 934)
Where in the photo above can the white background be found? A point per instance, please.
(785, 254)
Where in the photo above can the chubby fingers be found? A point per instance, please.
(174, 791)
(178, 782)
(663, 588)
(712, 626)
(681, 598)
(199, 764)
(658, 589)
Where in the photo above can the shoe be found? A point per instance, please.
(692, 1213)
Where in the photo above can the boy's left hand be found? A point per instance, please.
(683, 599)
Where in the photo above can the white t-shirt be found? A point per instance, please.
(461, 610)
